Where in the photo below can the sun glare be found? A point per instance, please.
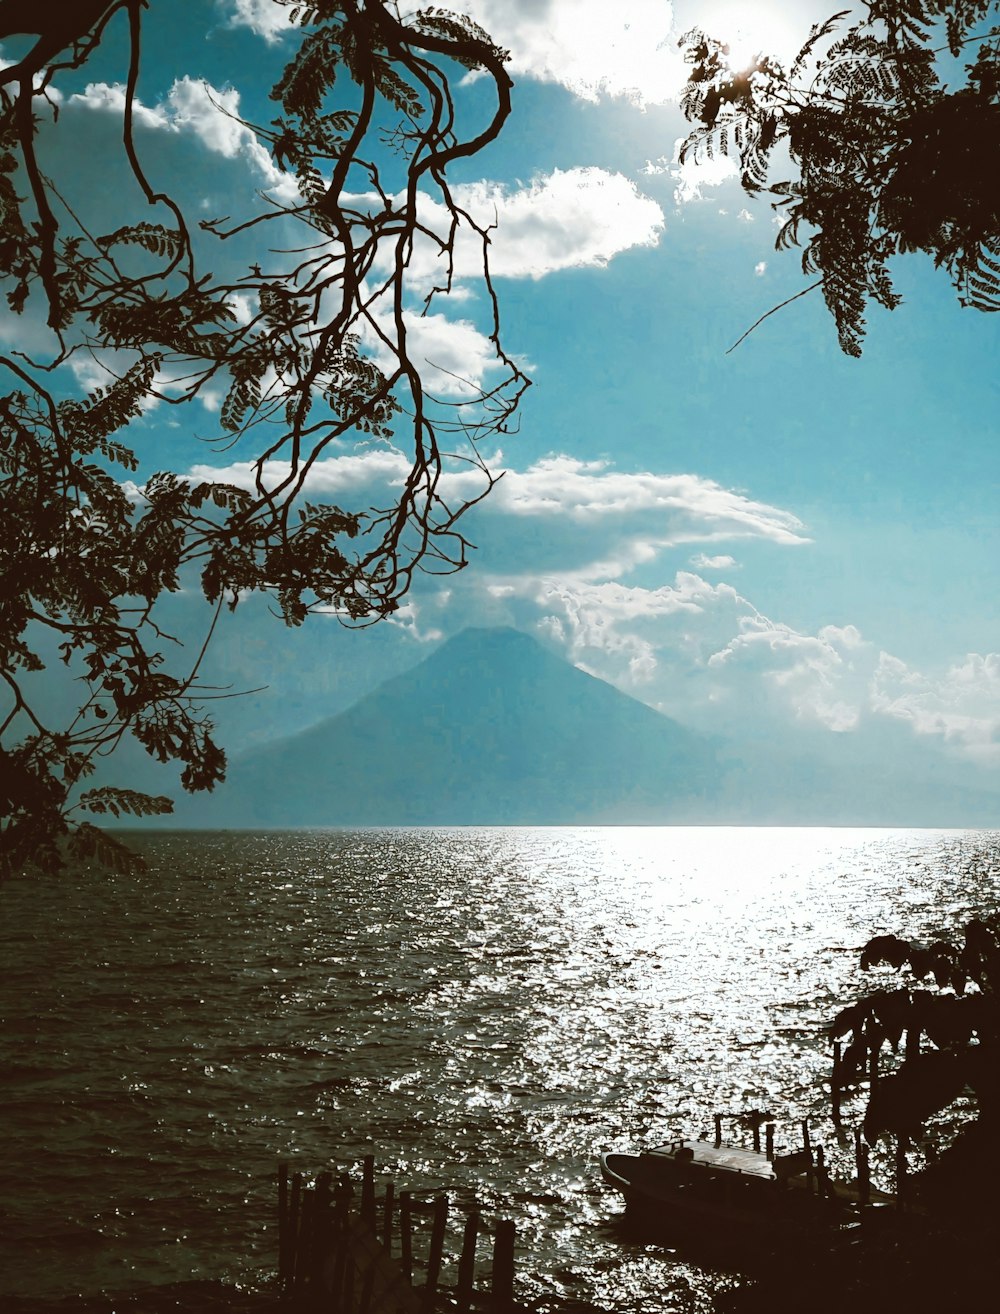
(772, 27)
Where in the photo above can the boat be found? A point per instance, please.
(728, 1193)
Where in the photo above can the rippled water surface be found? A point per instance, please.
(484, 1010)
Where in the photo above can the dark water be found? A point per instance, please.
(484, 1010)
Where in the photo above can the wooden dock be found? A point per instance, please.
(347, 1251)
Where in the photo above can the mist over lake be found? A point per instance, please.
(482, 1009)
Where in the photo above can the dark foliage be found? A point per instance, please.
(949, 1031)
(892, 124)
(85, 555)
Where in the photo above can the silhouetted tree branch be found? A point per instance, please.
(890, 150)
(324, 358)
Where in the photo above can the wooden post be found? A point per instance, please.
(503, 1265)
(368, 1191)
(322, 1228)
(873, 1069)
(342, 1257)
(900, 1172)
(304, 1249)
(835, 1083)
(769, 1139)
(718, 1129)
(342, 1201)
(806, 1140)
(406, 1233)
(822, 1178)
(390, 1192)
(347, 1290)
(342, 1260)
(756, 1138)
(294, 1210)
(436, 1251)
(467, 1265)
(367, 1290)
(861, 1163)
(282, 1226)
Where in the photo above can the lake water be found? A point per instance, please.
(482, 1009)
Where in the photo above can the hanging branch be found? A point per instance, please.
(887, 156)
(324, 359)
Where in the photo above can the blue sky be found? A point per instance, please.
(779, 542)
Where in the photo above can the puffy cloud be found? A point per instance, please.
(961, 707)
(193, 106)
(455, 359)
(562, 536)
(269, 20)
(629, 49)
(653, 641)
(693, 176)
(110, 96)
(588, 46)
(564, 220)
(568, 219)
(823, 677)
(760, 268)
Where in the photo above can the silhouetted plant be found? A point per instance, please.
(949, 1033)
(323, 357)
(889, 154)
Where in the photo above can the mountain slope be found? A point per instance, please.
(491, 728)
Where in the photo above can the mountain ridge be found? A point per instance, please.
(490, 728)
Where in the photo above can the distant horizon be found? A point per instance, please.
(493, 727)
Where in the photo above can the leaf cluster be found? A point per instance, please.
(321, 360)
(887, 156)
(959, 1016)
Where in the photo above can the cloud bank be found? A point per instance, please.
(598, 560)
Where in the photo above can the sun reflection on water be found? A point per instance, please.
(483, 1009)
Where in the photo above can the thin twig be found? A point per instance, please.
(811, 288)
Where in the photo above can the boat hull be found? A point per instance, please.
(726, 1197)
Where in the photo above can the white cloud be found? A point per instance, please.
(701, 562)
(823, 677)
(455, 359)
(269, 20)
(694, 175)
(685, 508)
(697, 509)
(193, 106)
(111, 96)
(760, 269)
(587, 556)
(652, 641)
(590, 47)
(564, 220)
(961, 707)
(407, 618)
(48, 100)
(568, 219)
